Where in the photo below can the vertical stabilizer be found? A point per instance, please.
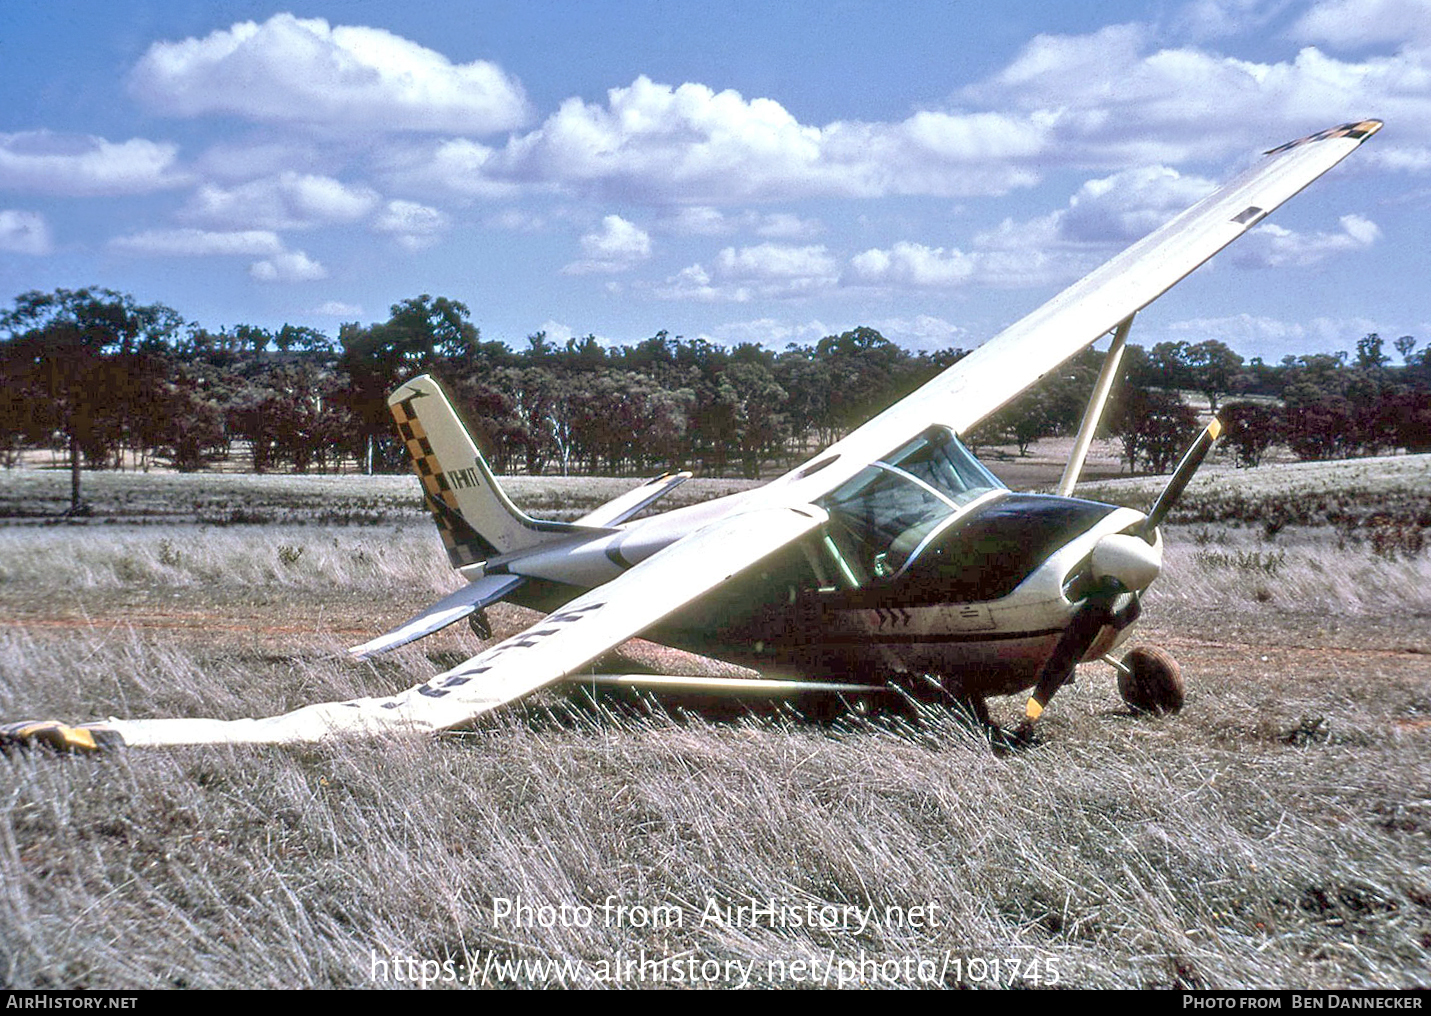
(476, 519)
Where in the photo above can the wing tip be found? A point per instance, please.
(1358, 130)
(57, 736)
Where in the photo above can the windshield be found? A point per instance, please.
(887, 512)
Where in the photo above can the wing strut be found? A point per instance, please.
(1096, 404)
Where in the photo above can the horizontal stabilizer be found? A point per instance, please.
(619, 509)
(468, 600)
(758, 687)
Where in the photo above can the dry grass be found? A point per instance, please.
(36, 495)
(1346, 493)
(1273, 834)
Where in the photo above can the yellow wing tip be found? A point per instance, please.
(51, 734)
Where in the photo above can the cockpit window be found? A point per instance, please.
(886, 513)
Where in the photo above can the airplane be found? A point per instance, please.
(892, 552)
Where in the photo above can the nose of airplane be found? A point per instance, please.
(1130, 559)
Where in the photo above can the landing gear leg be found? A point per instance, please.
(978, 708)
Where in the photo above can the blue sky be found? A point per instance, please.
(735, 170)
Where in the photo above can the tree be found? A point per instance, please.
(1165, 366)
(1154, 426)
(1250, 428)
(300, 338)
(1410, 408)
(758, 423)
(1054, 405)
(1317, 421)
(419, 333)
(867, 365)
(187, 421)
(1023, 421)
(1369, 356)
(86, 361)
(1212, 368)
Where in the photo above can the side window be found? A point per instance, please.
(888, 511)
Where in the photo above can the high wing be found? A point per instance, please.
(558, 646)
(1014, 359)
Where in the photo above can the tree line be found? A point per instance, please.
(106, 382)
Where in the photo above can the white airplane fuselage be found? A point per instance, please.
(981, 602)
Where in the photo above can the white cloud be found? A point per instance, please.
(556, 332)
(1402, 159)
(78, 165)
(1204, 19)
(287, 201)
(305, 71)
(771, 333)
(1273, 246)
(1126, 206)
(694, 283)
(703, 220)
(1102, 100)
(460, 165)
(338, 309)
(1101, 218)
(677, 145)
(923, 331)
(276, 265)
(24, 232)
(198, 242)
(260, 155)
(615, 247)
(700, 220)
(774, 261)
(768, 270)
(518, 221)
(1112, 97)
(1347, 23)
(290, 266)
(1272, 338)
(785, 226)
(414, 226)
(1010, 258)
(911, 265)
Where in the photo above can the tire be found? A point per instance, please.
(1155, 684)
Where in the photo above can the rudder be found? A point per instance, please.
(476, 519)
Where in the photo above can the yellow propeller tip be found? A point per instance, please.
(1214, 429)
(1033, 710)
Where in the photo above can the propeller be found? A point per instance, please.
(1178, 482)
(1118, 566)
(1082, 630)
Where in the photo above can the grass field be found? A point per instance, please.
(1275, 833)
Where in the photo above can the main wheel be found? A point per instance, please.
(1152, 682)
